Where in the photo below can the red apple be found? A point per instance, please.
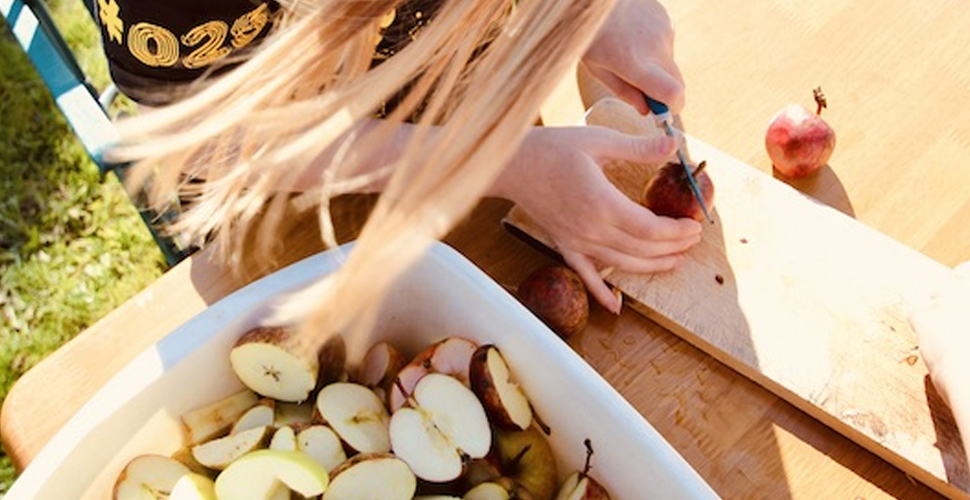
(799, 142)
(557, 296)
(668, 193)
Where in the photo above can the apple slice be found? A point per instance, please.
(357, 415)
(149, 477)
(207, 422)
(452, 356)
(274, 362)
(444, 425)
(504, 401)
(527, 463)
(258, 475)
(323, 444)
(487, 491)
(579, 485)
(368, 476)
(220, 452)
(193, 486)
(404, 384)
(283, 439)
(262, 414)
(379, 368)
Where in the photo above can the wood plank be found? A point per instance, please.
(812, 306)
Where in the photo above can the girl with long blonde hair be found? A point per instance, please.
(458, 105)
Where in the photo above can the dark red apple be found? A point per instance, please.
(798, 141)
(557, 296)
(668, 193)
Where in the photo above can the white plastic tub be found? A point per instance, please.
(138, 410)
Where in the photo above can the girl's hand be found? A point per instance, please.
(558, 179)
(633, 55)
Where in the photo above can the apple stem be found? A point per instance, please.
(700, 166)
(589, 455)
(820, 100)
(514, 463)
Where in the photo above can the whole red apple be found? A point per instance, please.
(668, 193)
(799, 142)
(557, 296)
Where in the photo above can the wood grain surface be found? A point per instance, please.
(803, 300)
(895, 73)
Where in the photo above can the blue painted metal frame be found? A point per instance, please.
(32, 26)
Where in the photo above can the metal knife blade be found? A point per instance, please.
(662, 113)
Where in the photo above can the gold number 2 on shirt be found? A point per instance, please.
(158, 47)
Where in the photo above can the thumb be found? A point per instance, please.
(640, 149)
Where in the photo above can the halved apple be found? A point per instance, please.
(487, 491)
(193, 486)
(207, 422)
(274, 362)
(580, 486)
(261, 414)
(443, 425)
(404, 384)
(258, 475)
(369, 476)
(357, 415)
(505, 402)
(527, 463)
(379, 368)
(452, 356)
(323, 444)
(220, 452)
(149, 477)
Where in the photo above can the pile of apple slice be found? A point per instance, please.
(450, 423)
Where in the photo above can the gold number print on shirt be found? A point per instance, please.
(156, 46)
(153, 45)
(210, 35)
(248, 26)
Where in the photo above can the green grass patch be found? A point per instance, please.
(72, 246)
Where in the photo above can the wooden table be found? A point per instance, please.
(896, 77)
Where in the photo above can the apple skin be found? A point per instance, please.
(557, 296)
(528, 466)
(798, 141)
(669, 194)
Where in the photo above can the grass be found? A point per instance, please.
(72, 246)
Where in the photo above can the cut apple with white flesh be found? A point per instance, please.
(202, 424)
(369, 476)
(262, 414)
(283, 439)
(452, 356)
(323, 444)
(505, 402)
(487, 491)
(357, 415)
(404, 384)
(579, 486)
(193, 486)
(149, 477)
(274, 362)
(380, 367)
(258, 475)
(444, 425)
(220, 452)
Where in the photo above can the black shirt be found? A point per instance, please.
(156, 48)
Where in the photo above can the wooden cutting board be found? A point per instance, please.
(805, 301)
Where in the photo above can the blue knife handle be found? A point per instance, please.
(656, 107)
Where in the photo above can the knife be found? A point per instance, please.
(663, 115)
